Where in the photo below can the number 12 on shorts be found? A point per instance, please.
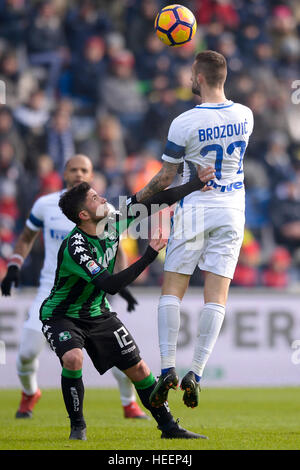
(220, 154)
(122, 338)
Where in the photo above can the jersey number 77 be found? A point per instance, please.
(220, 154)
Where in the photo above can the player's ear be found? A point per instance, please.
(201, 78)
(83, 215)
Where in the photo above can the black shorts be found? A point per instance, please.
(105, 338)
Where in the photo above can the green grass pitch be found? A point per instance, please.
(233, 419)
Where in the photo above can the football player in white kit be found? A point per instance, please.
(208, 226)
(47, 216)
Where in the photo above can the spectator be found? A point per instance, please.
(99, 183)
(10, 169)
(153, 59)
(9, 132)
(159, 116)
(140, 169)
(224, 12)
(285, 214)
(88, 71)
(83, 22)
(31, 119)
(141, 25)
(14, 19)
(121, 86)
(107, 138)
(115, 43)
(19, 83)
(228, 47)
(46, 43)
(258, 196)
(277, 160)
(34, 114)
(277, 273)
(60, 142)
(247, 270)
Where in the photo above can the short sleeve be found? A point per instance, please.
(251, 121)
(174, 151)
(80, 258)
(35, 220)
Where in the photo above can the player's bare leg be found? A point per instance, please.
(173, 290)
(131, 408)
(209, 325)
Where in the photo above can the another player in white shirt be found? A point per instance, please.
(207, 227)
(47, 216)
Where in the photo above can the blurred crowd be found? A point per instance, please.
(91, 77)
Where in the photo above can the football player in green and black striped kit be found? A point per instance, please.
(77, 315)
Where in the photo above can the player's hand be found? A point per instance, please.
(157, 242)
(205, 175)
(131, 301)
(12, 277)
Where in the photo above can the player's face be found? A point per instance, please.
(95, 206)
(78, 171)
(195, 85)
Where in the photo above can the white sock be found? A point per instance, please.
(32, 343)
(209, 325)
(127, 390)
(168, 329)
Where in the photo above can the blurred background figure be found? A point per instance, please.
(60, 142)
(277, 274)
(247, 270)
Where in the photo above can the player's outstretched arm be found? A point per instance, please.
(159, 182)
(172, 195)
(113, 283)
(22, 249)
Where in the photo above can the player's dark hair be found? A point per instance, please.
(72, 201)
(213, 66)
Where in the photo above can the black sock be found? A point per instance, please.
(162, 415)
(73, 393)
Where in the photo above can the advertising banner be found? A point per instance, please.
(259, 343)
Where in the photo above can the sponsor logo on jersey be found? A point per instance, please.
(58, 234)
(228, 188)
(64, 336)
(93, 267)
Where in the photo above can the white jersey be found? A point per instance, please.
(213, 135)
(47, 215)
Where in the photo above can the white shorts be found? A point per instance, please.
(209, 238)
(33, 319)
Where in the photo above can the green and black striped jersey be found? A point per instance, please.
(81, 259)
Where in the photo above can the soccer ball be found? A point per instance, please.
(175, 25)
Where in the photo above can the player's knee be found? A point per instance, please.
(140, 371)
(73, 359)
(27, 355)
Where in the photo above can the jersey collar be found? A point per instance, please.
(225, 104)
